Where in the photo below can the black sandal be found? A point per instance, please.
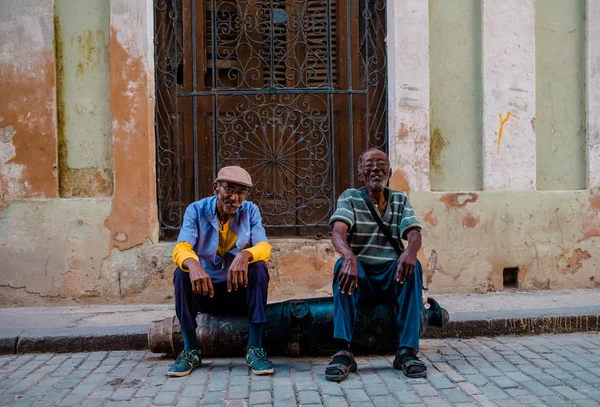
(342, 363)
(409, 363)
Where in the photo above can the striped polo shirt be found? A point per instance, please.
(367, 241)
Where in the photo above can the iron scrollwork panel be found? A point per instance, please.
(274, 44)
(272, 69)
(283, 141)
(168, 53)
(374, 69)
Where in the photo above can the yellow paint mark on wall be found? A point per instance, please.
(502, 121)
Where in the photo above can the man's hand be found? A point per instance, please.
(406, 265)
(238, 271)
(408, 259)
(348, 275)
(201, 282)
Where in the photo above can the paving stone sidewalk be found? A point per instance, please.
(553, 370)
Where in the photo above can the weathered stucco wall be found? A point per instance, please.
(408, 93)
(70, 112)
(593, 94)
(560, 85)
(52, 249)
(95, 240)
(552, 237)
(133, 219)
(27, 101)
(81, 31)
(532, 66)
(509, 147)
(456, 95)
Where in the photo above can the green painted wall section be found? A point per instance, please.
(456, 95)
(81, 31)
(561, 94)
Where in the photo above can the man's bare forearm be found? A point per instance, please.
(341, 245)
(188, 262)
(414, 240)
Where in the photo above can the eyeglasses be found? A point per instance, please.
(383, 165)
(242, 193)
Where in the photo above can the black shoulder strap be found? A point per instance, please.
(398, 246)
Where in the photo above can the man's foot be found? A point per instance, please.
(406, 360)
(256, 359)
(342, 363)
(185, 363)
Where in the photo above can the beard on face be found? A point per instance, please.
(230, 205)
(376, 184)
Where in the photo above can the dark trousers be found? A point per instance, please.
(251, 300)
(379, 285)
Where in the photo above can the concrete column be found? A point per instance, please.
(408, 94)
(509, 95)
(593, 94)
(85, 159)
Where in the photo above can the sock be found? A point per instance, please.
(342, 344)
(255, 336)
(190, 341)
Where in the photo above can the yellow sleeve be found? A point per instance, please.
(260, 251)
(182, 252)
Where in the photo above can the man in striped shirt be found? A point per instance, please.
(370, 268)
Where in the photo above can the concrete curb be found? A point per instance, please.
(135, 337)
(8, 340)
(71, 340)
(537, 325)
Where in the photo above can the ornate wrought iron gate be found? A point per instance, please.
(291, 90)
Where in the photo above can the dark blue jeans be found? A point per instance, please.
(379, 285)
(251, 300)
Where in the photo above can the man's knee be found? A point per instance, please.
(259, 272)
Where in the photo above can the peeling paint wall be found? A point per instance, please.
(408, 94)
(94, 240)
(53, 248)
(552, 237)
(508, 43)
(27, 101)
(593, 93)
(133, 219)
(77, 107)
(540, 63)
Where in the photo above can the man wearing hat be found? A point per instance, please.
(221, 253)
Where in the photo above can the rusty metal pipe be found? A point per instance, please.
(293, 328)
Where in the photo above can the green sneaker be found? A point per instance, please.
(256, 359)
(185, 363)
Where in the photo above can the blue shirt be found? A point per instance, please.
(201, 230)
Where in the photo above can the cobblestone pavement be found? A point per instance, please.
(553, 370)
